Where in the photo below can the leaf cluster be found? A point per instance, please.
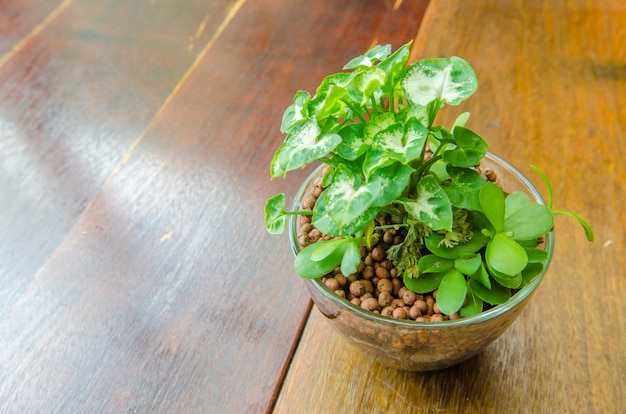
(374, 126)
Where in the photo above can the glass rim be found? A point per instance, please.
(491, 313)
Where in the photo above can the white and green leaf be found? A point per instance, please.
(403, 143)
(275, 218)
(432, 206)
(447, 80)
(302, 146)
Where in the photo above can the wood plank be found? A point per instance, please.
(73, 100)
(552, 93)
(19, 21)
(159, 299)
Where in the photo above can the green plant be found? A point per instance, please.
(391, 166)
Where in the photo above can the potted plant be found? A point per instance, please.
(418, 244)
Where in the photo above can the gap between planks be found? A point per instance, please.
(229, 17)
(36, 30)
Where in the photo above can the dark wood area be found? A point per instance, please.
(135, 137)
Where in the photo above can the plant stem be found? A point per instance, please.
(303, 212)
(374, 107)
(354, 110)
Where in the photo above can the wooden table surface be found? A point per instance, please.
(135, 138)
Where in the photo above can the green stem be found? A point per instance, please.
(303, 212)
(356, 111)
(391, 226)
(586, 226)
(374, 107)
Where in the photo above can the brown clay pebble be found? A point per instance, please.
(382, 273)
(408, 297)
(389, 235)
(315, 235)
(332, 284)
(385, 285)
(414, 312)
(308, 203)
(421, 305)
(400, 313)
(357, 288)
(370, 304)
(397, 285)
(369, 286)
(378, 254)
(384, 299)
(340, 293)
(368, 272)
(341, 279)
(436, 308)
(437, 317)
(387, 311)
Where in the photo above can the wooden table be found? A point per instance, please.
(135, 139)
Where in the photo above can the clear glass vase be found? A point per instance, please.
(424, 346)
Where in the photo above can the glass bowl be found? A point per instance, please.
(424, 346)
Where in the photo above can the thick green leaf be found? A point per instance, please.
(452, 292)
(468, 263)
(461, 120)
(435, 245)
(492, 203)
(469, 150)
(425, 283)
(515, 201)
(505, 255)
(531, 271)
(432, 205)
(529, 222)
(464, 187)
(370, 58)
(507, 281)
(275, 218)
(474, 306)
(536, 255)
(302, 146)
(325, 248)
(447, 80)
(434, 264)
(481, 276)
(351, 259)
(311, 269)
(496, 295)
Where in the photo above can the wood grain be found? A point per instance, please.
(138, 273)
(20, 21)
(73, 100)
(552, 92)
